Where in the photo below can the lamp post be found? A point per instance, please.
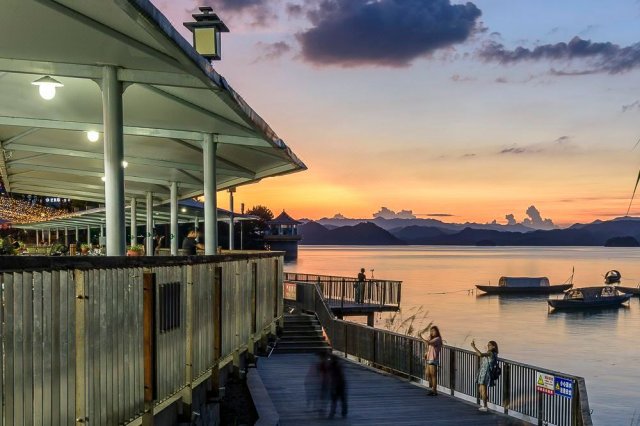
(206, 33)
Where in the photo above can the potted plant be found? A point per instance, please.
(135, 250)
(84, 249)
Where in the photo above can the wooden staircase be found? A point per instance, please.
(302, 333)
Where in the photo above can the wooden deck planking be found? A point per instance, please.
(373, 398)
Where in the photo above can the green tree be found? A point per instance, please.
(264, 214)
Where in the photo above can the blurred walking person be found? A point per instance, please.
(338, 386)
(317, 384)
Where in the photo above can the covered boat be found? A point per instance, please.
(590, 297)
(614, 277)
(524, 285)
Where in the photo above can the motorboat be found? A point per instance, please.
(614, 277)
(590, 297)
(524, 285)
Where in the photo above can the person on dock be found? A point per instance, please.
(434, 344)
(317, 384)
(338, 386)
(358, 287)
(488, 358)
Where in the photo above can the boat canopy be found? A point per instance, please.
(524, 282)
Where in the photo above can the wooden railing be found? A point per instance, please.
(102, 340)
(340, 290)
(515, 392)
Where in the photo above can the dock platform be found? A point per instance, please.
(374, 398)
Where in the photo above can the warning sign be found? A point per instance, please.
(563, 387)
(545, 383)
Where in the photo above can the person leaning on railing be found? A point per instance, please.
(358, 287)
(484, 373)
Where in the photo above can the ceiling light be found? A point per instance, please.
(47, 87)
(124, 164)
(103, 178)
(93, 136)
(183, 210)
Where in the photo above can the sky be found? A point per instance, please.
(460, 111)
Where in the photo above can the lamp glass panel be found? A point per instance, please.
(205, 40)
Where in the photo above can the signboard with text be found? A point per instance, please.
(545, 383)
(563, 387)
(290, 291)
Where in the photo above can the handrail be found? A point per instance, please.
(515, 392)
(339, 291)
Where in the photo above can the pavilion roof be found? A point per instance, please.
(172, 97)
(283, 219)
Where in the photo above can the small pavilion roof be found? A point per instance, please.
(283, 219)
(172, 97)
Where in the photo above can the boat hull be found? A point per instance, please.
(609, 302)
(635, 291)
(493, 289)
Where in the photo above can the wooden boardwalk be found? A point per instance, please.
(373, 398)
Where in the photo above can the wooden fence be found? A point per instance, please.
(99, 340)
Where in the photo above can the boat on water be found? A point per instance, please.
(614, 277)
(524, 285)
(607, 296)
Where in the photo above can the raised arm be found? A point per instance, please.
(473, 345)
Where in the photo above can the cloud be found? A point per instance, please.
(501, 80)
(338, 216)
(460, 78)
(468, 155)
(294, 10)
(272, 51)
(602, 57)
(632, 106)
(259, 11)
(536, 221)
(389, 33)
(560, 144)
(386, 213)
(439, 215)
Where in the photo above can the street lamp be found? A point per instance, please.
(47, 87)
(206, 33)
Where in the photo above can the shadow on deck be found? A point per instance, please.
(374, 398)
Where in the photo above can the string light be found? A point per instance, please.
(19, 211)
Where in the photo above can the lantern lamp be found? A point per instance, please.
(206, 33)
(47, 87)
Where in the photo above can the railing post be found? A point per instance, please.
(576, 413)
(506, 387)
(452, 370)
(344, 288)
(410, 358)
(81, 414)
(540, 407)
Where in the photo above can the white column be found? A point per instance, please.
(149, 230)
(77, 237)
(37, 238)
(210, 195)
(66, 236)
(134, 221)
(196, 223)
(57, 235)
(113, 156)
(49, 235)
(231, 233)
(174, 219)
(88, 235)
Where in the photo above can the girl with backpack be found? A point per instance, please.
(489, 360)
(434, 344)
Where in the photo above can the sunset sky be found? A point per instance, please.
(474, 110)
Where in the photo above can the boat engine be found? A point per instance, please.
(612, 277)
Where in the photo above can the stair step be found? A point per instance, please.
(300, 343)
(302, 337)
(307, 349)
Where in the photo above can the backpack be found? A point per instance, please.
(494, 370)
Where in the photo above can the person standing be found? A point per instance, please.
(434, 345)
(484, 373)
(190, 244)
(359, 287)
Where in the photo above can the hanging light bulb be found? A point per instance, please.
(93, 136)
(124, 164)
(103, 178)
(47, 87)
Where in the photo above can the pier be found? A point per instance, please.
(516, 393)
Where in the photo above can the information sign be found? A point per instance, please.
(290, 291)
(563, 387)
(545, 383)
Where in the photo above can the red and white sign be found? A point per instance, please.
(290, 291)
(545, 383)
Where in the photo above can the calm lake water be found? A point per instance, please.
(601, 346)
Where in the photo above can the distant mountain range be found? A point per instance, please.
(617, 232)
(390, 224)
